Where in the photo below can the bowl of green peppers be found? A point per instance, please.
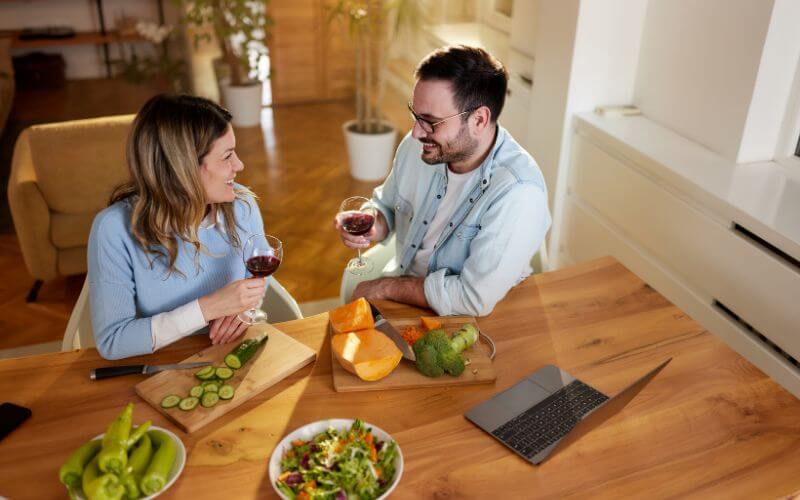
(126, 461)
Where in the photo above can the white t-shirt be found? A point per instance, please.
(450, 202)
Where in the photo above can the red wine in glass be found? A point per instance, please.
(262, 254)
(357, 223)
(262, 266)
(357, 216)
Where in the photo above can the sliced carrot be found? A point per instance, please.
(298, 442)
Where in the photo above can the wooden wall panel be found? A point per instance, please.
(311, 60)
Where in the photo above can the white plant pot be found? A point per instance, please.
(370, 154)
(244, 103)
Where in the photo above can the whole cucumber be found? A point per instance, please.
(242, 353)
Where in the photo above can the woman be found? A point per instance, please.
(165, 257)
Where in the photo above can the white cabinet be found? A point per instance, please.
(523, 26)
(517, 108)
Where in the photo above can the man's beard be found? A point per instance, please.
(459, 149)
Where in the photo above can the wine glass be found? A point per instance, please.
(357, 215)
(262, 255)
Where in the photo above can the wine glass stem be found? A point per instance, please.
(360, 262)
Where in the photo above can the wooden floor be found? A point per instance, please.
(295, 162)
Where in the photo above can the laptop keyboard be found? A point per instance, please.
(550, 419)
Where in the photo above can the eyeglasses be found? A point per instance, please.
(429, 126)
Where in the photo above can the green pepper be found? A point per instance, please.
(72, 470)
(114, 455)
(99, 486)
(155, 477)
(137, 464)
(138, 432)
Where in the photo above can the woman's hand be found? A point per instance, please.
(226, 329)
(233, 298)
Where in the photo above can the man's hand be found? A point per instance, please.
(371, 290)
(376, 234)
(226, 329)
(405, 289)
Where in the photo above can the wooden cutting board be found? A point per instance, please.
(406, 376)
(279, 357)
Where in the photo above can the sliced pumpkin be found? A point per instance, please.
(430, 323)
(368, 354)
(356, 315)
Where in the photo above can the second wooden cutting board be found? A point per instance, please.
(280, 357)
(406, 376)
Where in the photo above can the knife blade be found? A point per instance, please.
(383, 326)
(116, 371)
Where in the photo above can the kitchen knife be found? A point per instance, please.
(383, 326)
(115, 371)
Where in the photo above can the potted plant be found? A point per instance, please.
(372, 25)
(241, 28)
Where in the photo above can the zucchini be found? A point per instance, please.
(205, 373)
(226, 392)
(244, 351)
(189, 403)
(170, 401)
(224, 373)
(210, 399)
(196, 391)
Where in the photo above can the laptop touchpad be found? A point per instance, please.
(521, 397)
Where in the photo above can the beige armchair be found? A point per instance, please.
(62, 174)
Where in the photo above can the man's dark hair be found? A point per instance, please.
(478, 79)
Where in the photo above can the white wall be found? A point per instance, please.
(586, 54)
(772, 96)
(698, 67)
(83, 61)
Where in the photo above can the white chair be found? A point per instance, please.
(383, 252)
(278, 303)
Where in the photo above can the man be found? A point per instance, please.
(468, 205)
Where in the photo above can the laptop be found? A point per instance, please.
(548, 410)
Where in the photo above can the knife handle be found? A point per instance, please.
(115, 371)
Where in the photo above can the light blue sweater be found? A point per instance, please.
(125, 291)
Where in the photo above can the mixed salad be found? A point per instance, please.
(338, 464)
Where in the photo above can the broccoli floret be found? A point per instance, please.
(451, 362)
(427, 360)
(437, 354)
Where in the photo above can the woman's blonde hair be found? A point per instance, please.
(169, 138)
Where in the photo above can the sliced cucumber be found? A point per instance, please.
(212, 387)
(232, 361)
(205, 373)
(205, 383)
(224, 373)
(189, 403)
(226, 392)
(170, 401)
(210, 399)
(196, 391)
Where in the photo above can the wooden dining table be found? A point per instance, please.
(710, 425)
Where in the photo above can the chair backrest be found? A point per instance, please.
(79, 333)
(90, 152)
(278, 303)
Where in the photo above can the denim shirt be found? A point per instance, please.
(487, 246)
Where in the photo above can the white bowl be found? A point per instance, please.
(177, 466)
(307, 432)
